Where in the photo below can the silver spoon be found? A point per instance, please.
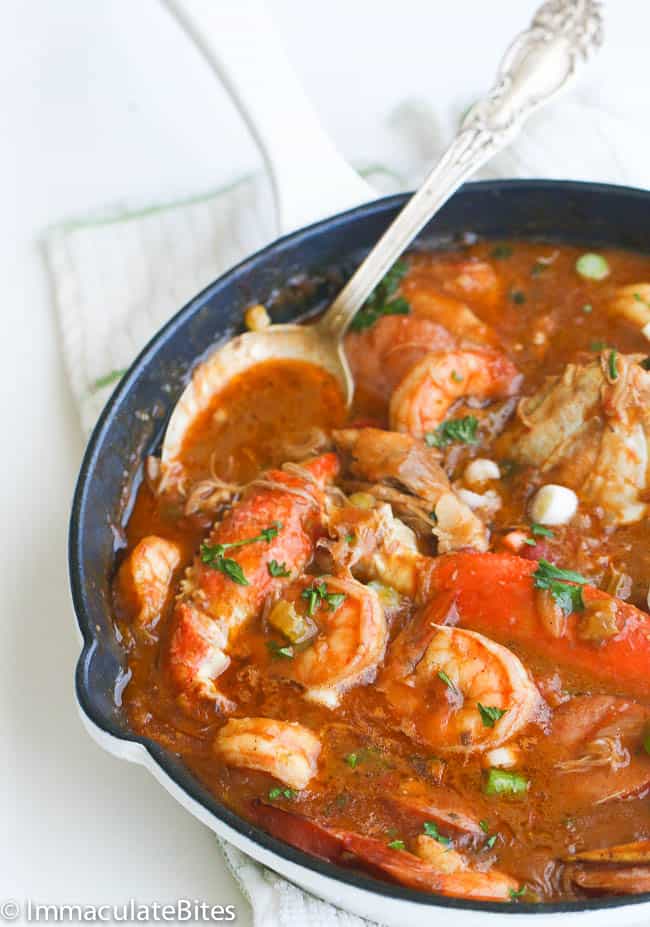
(540, 63)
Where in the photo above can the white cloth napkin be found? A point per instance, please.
(119, 276)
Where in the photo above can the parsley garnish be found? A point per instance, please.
(397, 845)
(541, 530)
(280, 650)
(501, 251)
(278, 792)
(352, 759)
(645, 363)
(518, 297)
(516, 895)
(489, 843)
(558, 582)
(490, 715)
(431, 830)
(503, 782)
(277, 569)
(611, 365)
(445, 678)
(317, 594)
(597, 346)
(213, 554)
(462, 430)
(380, 303)
(485, 827)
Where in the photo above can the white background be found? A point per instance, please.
(104, 101)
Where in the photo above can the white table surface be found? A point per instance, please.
(104, 101)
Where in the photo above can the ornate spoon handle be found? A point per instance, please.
(537, 66)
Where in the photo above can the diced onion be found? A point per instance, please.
(592, 266)
(553, 505)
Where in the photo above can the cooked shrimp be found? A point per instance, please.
(145, 577)
(428, 301)
(455, 878)
(463, 278)
(349, 636)
(380, 356)
(423, 398)
(278, 519)
(404, 867)
(286, 750)
(591, 426)
(398, 459)
(495, 594)
(443, 682)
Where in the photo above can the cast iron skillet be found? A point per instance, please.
(133, 422)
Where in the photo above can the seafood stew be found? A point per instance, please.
(413, 638)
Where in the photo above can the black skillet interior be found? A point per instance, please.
(132, 423)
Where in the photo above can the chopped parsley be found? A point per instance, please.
(431, 830)
(611, 365)
(501, 251)
(352, 759)
(382, 300)
(456, 377)
(278, 792)
(516, 895)
(213, 554)
(645, 363)
(445, 678)
(455, 430)
(397, 845)
(503, 782)
(490, 715)
(485, 827)
(280, 651)
(489, 843)
(518, 297)
(317, 594)
(564, 585)
(541, 530)
(277, 569)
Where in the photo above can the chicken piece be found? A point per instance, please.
(590, 426)
(286, 750)
(144, 579)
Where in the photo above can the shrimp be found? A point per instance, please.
(444, 681)
(144, 579)
(453, 876)
(468, 278)
(495, 594)
(591, 427)
(390, 458)
(380, 356)
(278, 519)
(427, 392)
(350, 631)
(284, 749)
